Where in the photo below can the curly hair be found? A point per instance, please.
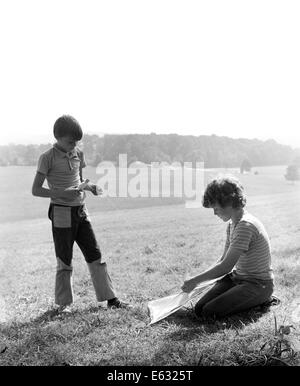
(224, 191)
(67, 126)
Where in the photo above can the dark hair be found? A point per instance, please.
(67, 126)
(224, 191)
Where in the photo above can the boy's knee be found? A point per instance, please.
(211, 311)
(91, 257)
(208, 311)
(63, 265)
(203, 309)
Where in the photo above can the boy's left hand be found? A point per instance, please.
(94, 189)
(189, 285)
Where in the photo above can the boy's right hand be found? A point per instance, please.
(189, 285)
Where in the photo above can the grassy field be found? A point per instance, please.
(19, 204)
(149, 246)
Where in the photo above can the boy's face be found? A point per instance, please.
(67, 143)
(224, 213)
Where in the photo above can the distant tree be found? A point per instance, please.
(16, 161)
(296, 161)
(245, 166)
(30, 155)
(97, 159)
(3, 162)
(197, 157)
(292, 173)
(215, 151)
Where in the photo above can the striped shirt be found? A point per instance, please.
(250, 237)
(62, 171)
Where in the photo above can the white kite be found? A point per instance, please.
(161, 308)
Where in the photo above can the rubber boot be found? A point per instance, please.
(102, 283)
(63, 284)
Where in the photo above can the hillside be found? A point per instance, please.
(148, 250)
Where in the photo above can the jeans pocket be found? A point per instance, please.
(61, 216)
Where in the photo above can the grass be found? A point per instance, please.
(148, 251)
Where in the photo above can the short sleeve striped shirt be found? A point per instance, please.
(62, 171)
(250, 237)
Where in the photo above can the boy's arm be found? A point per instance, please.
(80, 173)
(227, 244)
(93, 188)
(87, 185)
(224, 254)
(39, 191)
(37, 186)
(218, 270)
(239, 245)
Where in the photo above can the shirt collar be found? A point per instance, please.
(63, 154)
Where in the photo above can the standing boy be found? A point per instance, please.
(62, 167)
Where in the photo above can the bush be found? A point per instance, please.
(292, 173)
(245, 166)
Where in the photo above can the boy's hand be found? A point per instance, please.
(189, 285)
(94, 189)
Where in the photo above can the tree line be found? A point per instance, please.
(215, 151)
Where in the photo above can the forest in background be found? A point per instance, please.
(215, 151)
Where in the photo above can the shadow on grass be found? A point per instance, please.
(54, 314)
(88, 314)
(193, 325)
(50, 315)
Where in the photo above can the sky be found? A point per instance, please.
(228, 68)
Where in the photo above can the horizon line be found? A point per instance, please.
(26, 143)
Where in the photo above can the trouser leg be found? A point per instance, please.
(219, 287)
(63, 237)
(242, 296)
(101, 280)
(63, 284)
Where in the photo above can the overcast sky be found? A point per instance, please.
(224, 67)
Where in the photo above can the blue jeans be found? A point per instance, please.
(232, 294)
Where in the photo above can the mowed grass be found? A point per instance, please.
(148, 250)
